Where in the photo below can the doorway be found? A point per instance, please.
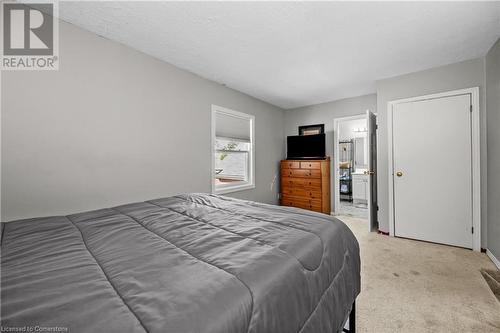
(434, 168)
(355, 167)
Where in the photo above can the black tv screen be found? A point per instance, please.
(306, 146)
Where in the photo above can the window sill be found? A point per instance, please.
(235, 188)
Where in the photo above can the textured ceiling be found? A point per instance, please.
(292, 54)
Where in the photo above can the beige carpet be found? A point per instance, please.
(412, 286)
(492, 277)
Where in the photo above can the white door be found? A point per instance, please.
(432, 154)
(371, 194)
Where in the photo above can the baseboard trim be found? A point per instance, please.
(492, 257)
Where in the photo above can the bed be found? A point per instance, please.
(187, 263)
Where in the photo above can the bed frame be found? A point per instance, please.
(352, 320)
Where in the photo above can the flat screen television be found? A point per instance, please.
(306, 147)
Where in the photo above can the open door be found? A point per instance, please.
(371, 120)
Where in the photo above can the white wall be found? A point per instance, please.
(493, 116)
(451, 77)
(113, 126)
(324, 114)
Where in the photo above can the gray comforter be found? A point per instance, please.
(189, 263)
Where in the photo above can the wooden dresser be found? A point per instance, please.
(306, 184)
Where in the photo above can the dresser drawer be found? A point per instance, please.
(310, 165)
(308, 183)
(301, 192)
(301, 173)
(290, 164)
(301, 202)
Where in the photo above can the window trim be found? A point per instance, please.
(251, 154)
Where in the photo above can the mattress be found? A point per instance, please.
(187, 263)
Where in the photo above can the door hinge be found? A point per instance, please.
(471, 108)
(472, 229)
(377, 208)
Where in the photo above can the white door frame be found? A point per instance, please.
(336, 181)
(476, 160)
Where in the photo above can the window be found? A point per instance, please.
(232, 150)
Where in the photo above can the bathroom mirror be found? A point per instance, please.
(360, 158)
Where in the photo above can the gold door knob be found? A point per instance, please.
(399, 174)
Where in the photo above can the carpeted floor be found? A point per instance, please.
(492, 277)
(412, 286)
(354, 209)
